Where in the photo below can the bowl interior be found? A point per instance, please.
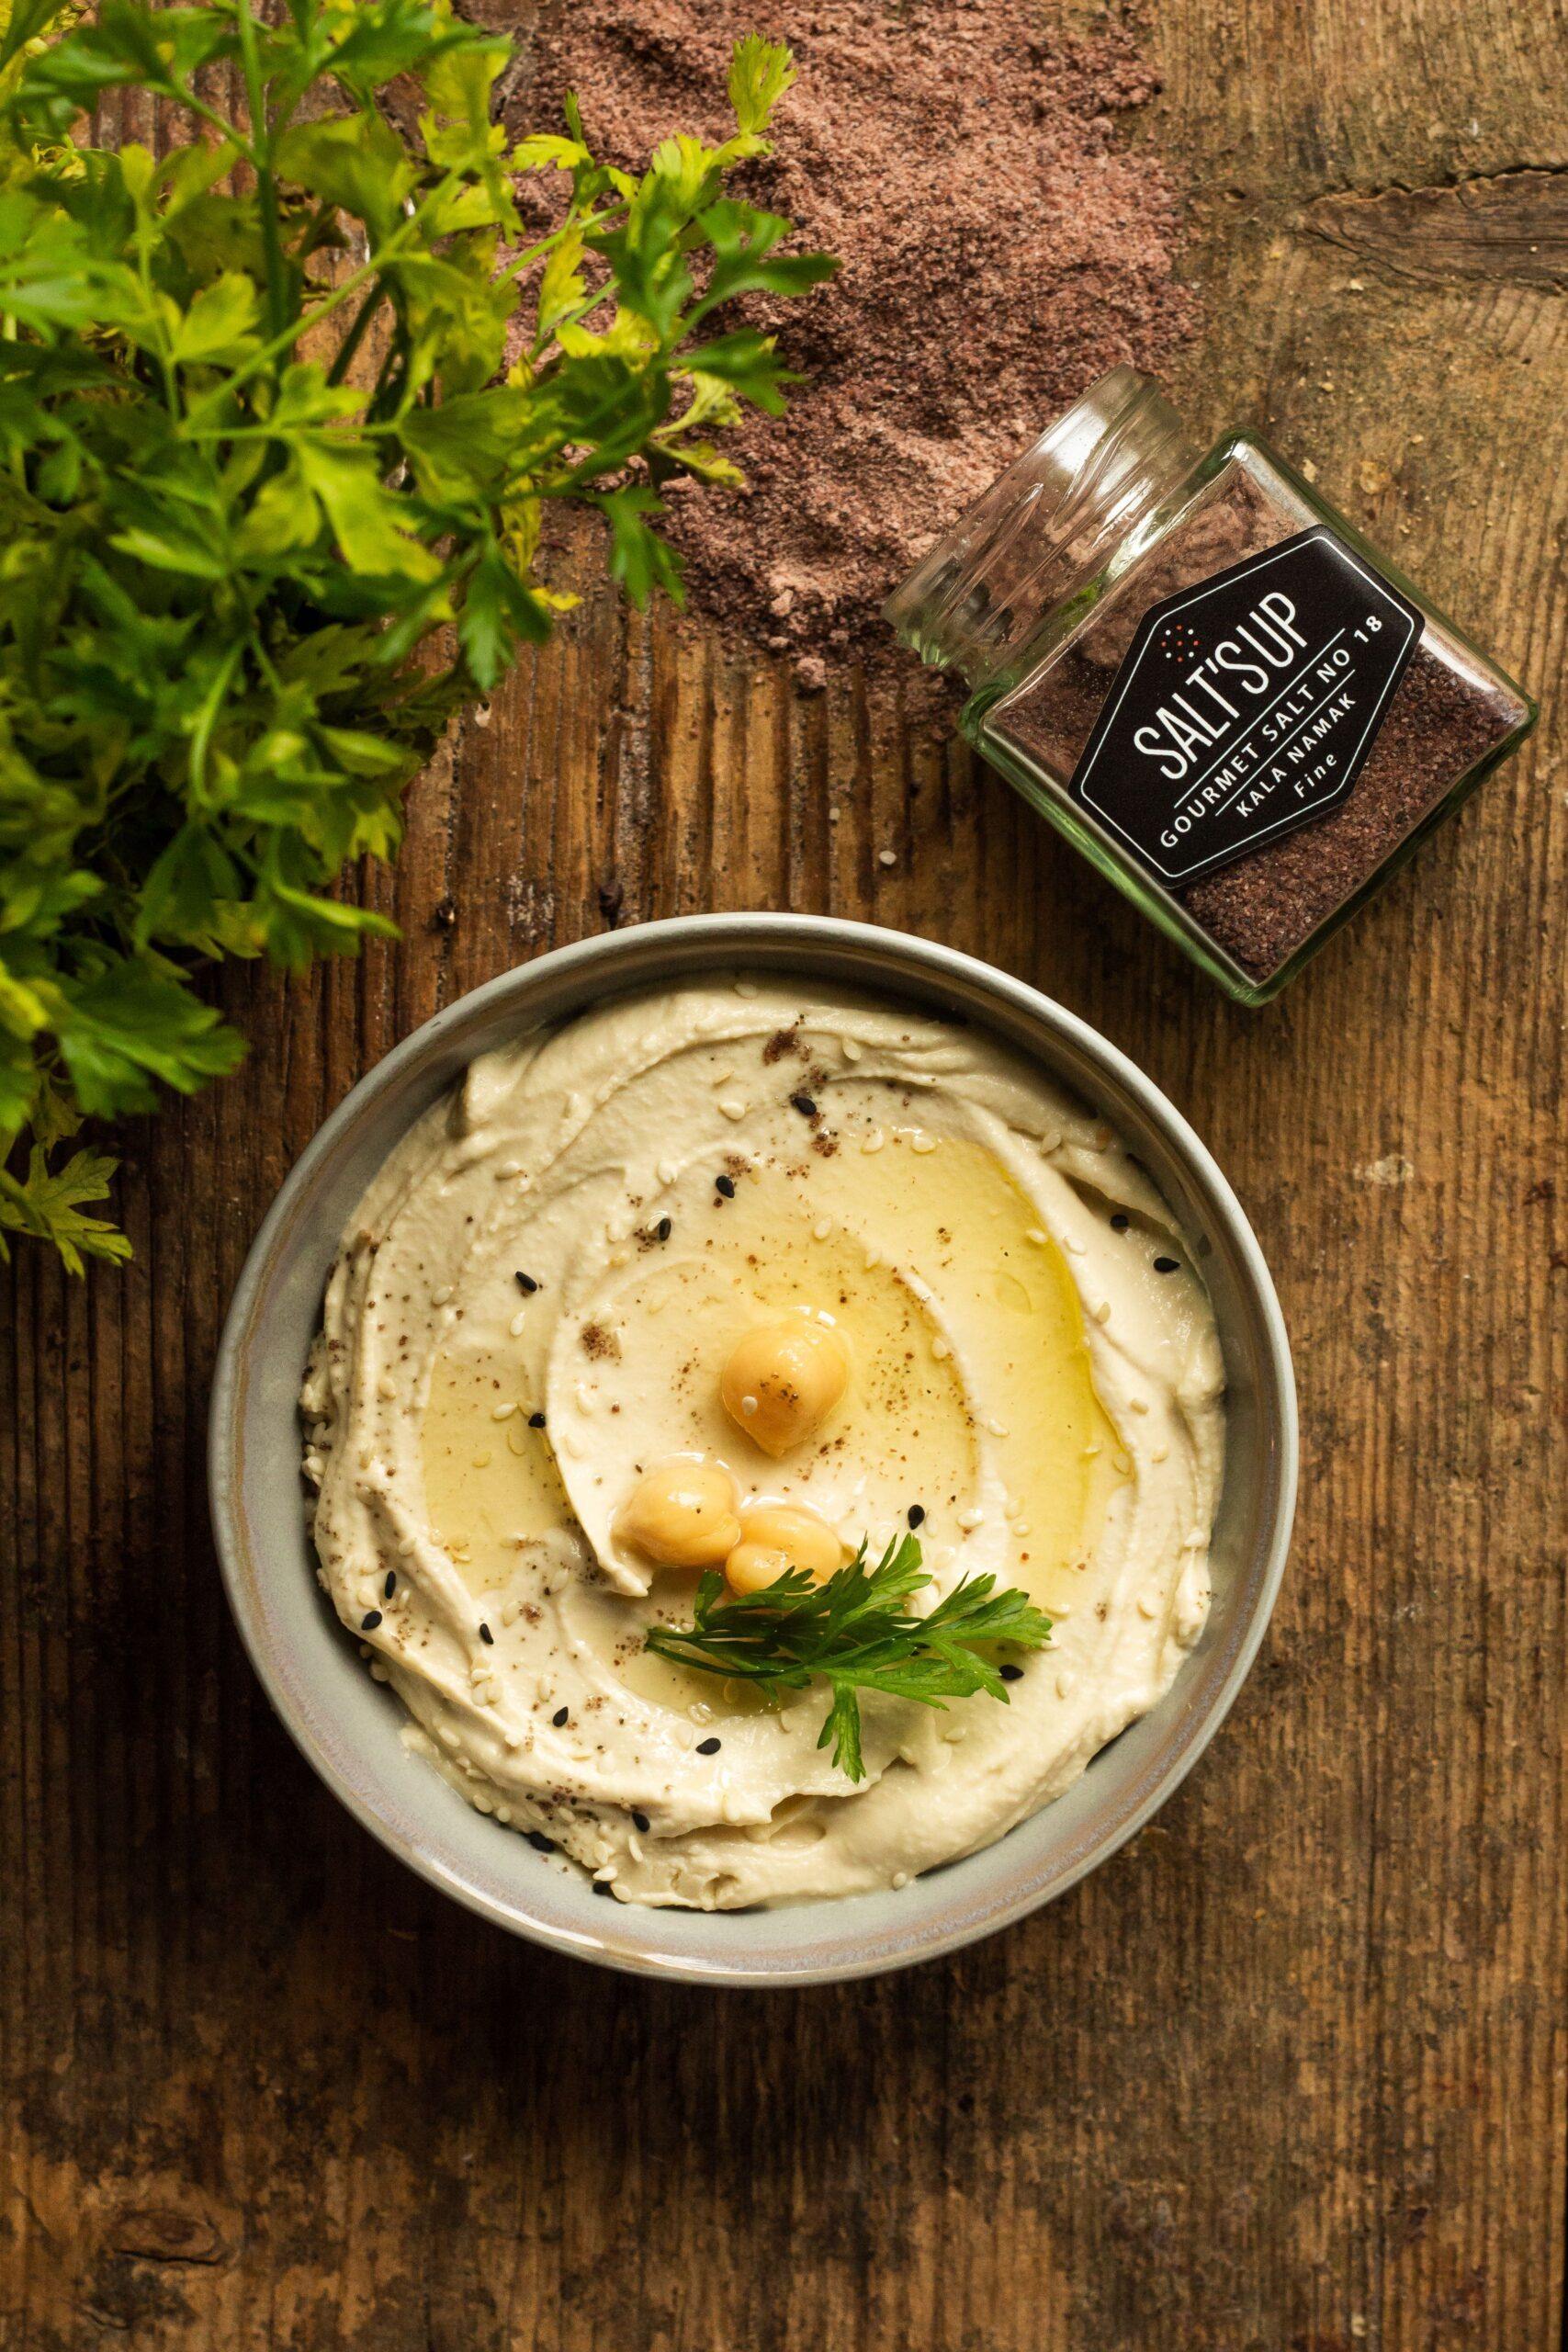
(348, 1726)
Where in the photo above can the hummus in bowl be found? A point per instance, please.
(573, 1286)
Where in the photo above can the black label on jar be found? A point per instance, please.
(1246, 705)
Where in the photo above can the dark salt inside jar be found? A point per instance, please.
(1205, 677)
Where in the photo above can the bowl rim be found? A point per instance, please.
(932, 963)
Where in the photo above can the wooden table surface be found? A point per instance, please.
(1287, 2074)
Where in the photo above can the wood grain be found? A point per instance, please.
(1288, 2075)
(1513, 226)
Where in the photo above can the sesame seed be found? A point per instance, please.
(915, 1514)
(485, 1634)
(539, 1842)
(663, 1229)
(603, 1886)
(709, 1747)
(369, 1621)
(1120, 1222)
(559, 1717)
(726, 1185)
(391, 1584)
(1168, 1265)
(1010, 1673)
(526, 1285)
(536, 1420)
(640, 1821)
(805, 1105)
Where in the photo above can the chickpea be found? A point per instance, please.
(681, 1514)
(776, 1536)
(783, 1381)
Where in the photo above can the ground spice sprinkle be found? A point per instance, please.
(1001, 246)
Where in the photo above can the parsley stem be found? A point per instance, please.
(207, 717)
(266, 183)
(355, 335)
(520, 262)
(401, 236)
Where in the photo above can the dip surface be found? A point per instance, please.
(534, 1305)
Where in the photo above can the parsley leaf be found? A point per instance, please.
(855, 1634)
(50, 1207)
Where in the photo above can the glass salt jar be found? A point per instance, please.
(1205, 677)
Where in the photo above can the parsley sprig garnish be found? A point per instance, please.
(856, 1633)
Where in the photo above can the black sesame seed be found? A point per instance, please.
(536, 1420)
(709, 1747)
(527, 1284)
(1120, 1222)
(485, 1635)
(725, 1185)
(1010, 1673)
(917, 1514)
(805, 1105)
(640, 1821)
(559, 1717)
(539, 1842)
(602, 1887)
(1168, 1265)
(662, 1229)
(369, 1621)
(391, 1584)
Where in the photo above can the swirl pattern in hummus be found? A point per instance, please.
(534, 1303)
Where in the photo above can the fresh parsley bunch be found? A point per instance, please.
(856, 1633)
(276, 410)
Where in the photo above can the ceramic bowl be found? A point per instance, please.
(348, 1726)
